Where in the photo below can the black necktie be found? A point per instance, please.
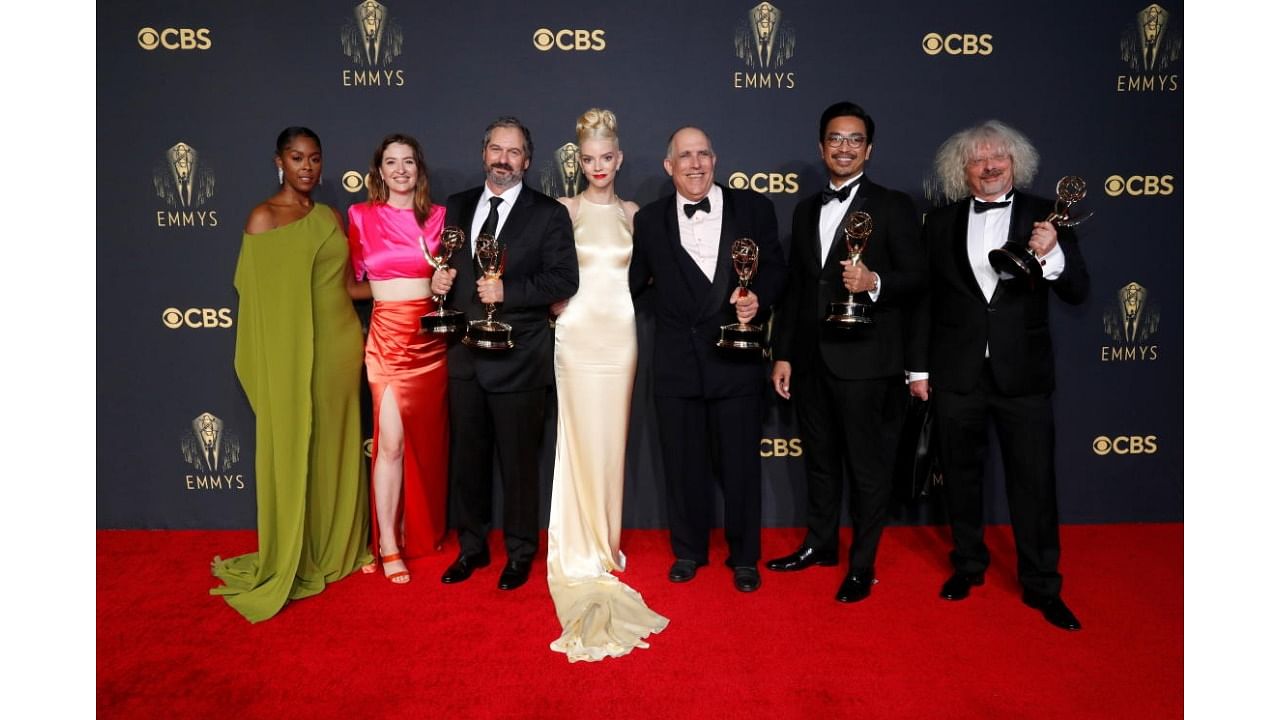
(980, 207)
(704, 205)
(842, 194)
(490, 226)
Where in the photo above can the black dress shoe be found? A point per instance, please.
(1054, 610)
(856, 586)
(957, 586)
(462, 568)
(682, 571)
(515, 574)
(746, 578)
(803, 558)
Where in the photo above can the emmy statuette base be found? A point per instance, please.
(488, 335)
(1016, 260)
(847, 314)
(443, 322)
(741, 336)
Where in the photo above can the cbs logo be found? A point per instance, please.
(354, 182)
(544, 39)
(780, 447)
(773, 183)
(174, 318)
(175, 39)
(1125, 445)
(957, 44)
(1139, 185)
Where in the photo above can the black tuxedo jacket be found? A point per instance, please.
(689, 310)
(541, 268)
(894, 250)
(955, 323)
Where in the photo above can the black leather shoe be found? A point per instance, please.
(682, 571)
(856, 586)
(462, 568)
(803, 558)
(746, 578)
(957, 586)
(515, 574)
(1054, 610)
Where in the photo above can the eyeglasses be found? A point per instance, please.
(980, 161)
(853, 141)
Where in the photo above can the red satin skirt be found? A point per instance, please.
(411, 365)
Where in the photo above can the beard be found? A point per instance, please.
(502, 181)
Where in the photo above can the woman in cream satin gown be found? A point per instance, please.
(595, 365)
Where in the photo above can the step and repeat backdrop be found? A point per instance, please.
(191, 96)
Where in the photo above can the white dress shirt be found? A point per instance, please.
(482, 211)
(700, 234)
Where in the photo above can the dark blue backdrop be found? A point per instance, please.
(210, 84)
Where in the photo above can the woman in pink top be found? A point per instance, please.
(407, 374)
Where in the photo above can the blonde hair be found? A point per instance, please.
(597, 124)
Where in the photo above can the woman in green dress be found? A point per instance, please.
(298, 355)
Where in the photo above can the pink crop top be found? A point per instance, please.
(384, 241)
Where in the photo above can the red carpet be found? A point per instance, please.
(367, 649)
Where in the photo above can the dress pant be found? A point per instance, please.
(701, 439)
(848, 424)
(1024, 427)
(479, 423)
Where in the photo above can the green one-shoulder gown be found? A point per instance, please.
(298, 355)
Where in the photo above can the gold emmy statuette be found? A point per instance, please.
(848, 313)
(444, 321)
(745, 255)
(489, 334)
(1016, 258)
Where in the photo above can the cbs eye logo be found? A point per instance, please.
(174, 318)
(570, 40)
(1139, 185)
(1125, 445)
(354, 182)
(175, 38)
(771, 183)
(957, 44)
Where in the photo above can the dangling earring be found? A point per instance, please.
(280, 174)
(320, 181)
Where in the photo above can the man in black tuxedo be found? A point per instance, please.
(497, 397)
(848, 381)
(981, 348)
(708, 399)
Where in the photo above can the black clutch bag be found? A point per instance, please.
(915, 472)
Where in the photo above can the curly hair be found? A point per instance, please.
(949, 163)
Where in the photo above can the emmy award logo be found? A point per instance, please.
(1016, 258)
(489, 334)
(443, 321)
(745, 255)
(848, 313)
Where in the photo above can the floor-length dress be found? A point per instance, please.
(298, 351)
(595, 365)
(402, 360)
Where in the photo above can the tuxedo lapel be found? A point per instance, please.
(517, 219)
(463, 258)
(960, 246)
(724, 275)
(838, 250)
(1019, 227)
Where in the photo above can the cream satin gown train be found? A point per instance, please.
(595, 365)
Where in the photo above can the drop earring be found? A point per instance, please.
(280, 174)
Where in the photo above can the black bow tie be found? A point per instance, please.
(704, 205)
(980, 207)
(842, 194)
